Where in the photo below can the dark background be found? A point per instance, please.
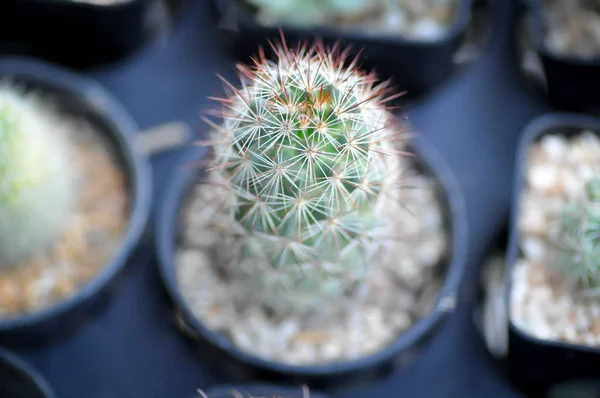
(133, 349)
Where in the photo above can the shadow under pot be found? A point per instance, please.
(75, 197)
(563, 36)
(83, 34)
(18, 379)
(259, 391)
(273, 323)
(553, 257)
(414, 47)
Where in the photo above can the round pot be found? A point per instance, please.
(219, 351)
(84, 98)
(18, 379)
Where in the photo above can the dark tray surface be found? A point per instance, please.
(133, 350)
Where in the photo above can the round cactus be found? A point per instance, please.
(308, 155)
(580, 237)
(36, 177)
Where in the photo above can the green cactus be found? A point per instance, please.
(309, 12)
(311, 164)
(36, 177)
(580, 237)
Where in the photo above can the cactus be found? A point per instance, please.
(36, 181)
(310, 161)
(579, 237)
(309, 12)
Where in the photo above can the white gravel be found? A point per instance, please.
(399, 292)
(544, 303)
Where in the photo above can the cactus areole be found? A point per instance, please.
(36, 177)
(309, 158)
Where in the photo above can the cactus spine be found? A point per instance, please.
(36, 181)
(309, 159)
(580, 237)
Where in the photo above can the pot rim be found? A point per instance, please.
(28, 370)
(259, 389)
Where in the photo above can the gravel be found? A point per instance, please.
(400, 291)
(572, 27)
(544, 302)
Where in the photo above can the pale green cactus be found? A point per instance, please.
(36, 177)
(580, 237)
(309, 12)
(310, 159)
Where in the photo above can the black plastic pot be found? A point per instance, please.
(536, 365)
(86, 99)
(416, 67)
(260, 390)
(19, 380)
(573, 83)
(223, 355)
(80, 34)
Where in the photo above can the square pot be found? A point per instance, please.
(80, 34)
(537, 365)
(416, 67)
(573, 83)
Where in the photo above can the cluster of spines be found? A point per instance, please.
(307, 152)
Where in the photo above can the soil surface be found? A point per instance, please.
(545, 301)
(400, 290)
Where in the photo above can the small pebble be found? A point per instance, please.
(554, 146)
(544, 177)
(427, 30)
(331, 350)
(534, 249)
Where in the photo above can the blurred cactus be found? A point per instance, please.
(311, 164)
(36, 178)
(309, 12)
(580, 237)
